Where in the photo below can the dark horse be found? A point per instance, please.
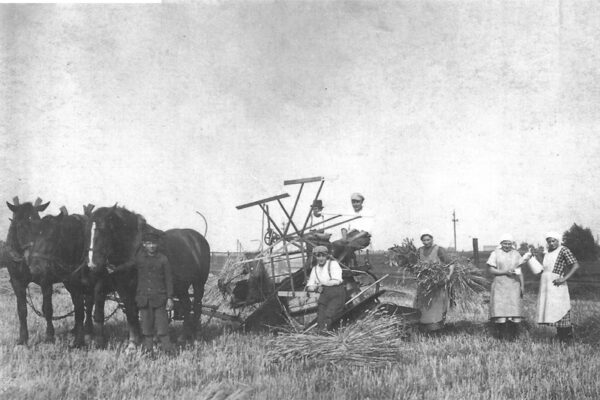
(57, 255)
(19, 240)
(24, 240)
(114, 235)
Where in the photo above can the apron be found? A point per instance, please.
(436, 312)
(505, 296)
(554, 301)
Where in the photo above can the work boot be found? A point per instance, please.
(166, 345)
(147, 344)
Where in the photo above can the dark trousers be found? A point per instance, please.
(330, 305)
(154, 319)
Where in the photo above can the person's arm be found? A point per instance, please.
(525, 257)
(126, 266)
(311, 285)
(491, 263)
(336, 274)
(574, 268)
(443, 256)
(450, 271)
(168, 283)
(569, 260)
(522, 279)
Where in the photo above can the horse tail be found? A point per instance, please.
(205, 223)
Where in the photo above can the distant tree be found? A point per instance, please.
(581, 242)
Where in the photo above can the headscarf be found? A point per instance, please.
(426, 232)
(506, 238)
(554, 235)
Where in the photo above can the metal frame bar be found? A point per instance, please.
(262, 201)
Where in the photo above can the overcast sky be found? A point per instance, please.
(490, 108)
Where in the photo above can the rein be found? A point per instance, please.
(61, 266)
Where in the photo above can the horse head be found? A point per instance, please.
(112, 236)
(21, 232)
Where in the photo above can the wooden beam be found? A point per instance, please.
(297, 293)
(262, 201)
(303, 180)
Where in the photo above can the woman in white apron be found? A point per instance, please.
(554, 303)
(506, 297)
(433, 316)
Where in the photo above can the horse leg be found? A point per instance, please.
(198, 294)
(185, 307)
(48, 311)
(99, 300)
(19, 287)
(88, 325)
(131, 312)
(78, 305)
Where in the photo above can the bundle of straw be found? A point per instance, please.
(374, 340)
(404, 255)
(464, 286)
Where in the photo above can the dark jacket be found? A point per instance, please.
(154, 280)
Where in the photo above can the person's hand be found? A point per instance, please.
(511, 272)
(169, 305)
(527, 256)
(559, 281)
(110, 268)
(319, 289)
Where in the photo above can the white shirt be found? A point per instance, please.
(330, 274)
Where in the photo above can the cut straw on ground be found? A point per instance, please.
(374, 340)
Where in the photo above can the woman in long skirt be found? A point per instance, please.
(433, 314)
(554, 303)
(506, 298)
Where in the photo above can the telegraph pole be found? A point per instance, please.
(454, 221)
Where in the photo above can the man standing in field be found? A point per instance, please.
(154, 296)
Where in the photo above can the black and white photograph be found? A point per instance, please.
(263, 199)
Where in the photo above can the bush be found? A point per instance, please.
(581, 242)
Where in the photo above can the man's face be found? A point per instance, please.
(357, 205)
(552, 243)
(506, 245)
(427, 240)
(150, 246)
(317, 212)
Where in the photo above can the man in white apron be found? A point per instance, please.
(506, 297)
(554, 303)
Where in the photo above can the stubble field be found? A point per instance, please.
(463, 362)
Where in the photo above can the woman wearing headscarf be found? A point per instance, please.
(433, 314)
(506, 298)
(554, 303)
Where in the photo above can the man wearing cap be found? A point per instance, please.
(154, 295)
(506, 297)
(433, 314)
(554, 303)
(362, 224)
(316, 215)
(356, 235)
(326, 278)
